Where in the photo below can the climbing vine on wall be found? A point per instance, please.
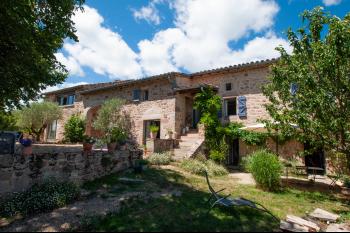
(209, 104)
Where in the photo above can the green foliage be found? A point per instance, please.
(35, 118)
(219, 154)
(319, 70)
(346, 181)
(116, 135)
(160, 159)
(234, 131)
(112, 120)
(266, 170)
(7, 121)
(39, 199)
(198, 167)
(74, 129)
(154, 128)
(208, 103)
(245, 163)
(32, 33)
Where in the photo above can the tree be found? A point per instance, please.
(7, 121)
(310, 88)
(112, 120)
(35, 118)
(31, 33)
(74, 129)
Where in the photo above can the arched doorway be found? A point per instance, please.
(90, 118)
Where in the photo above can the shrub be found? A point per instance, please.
(74, 129)
(39, 198)
(160, 159)
(266, 170)
(219, 154)
(215, 169)
(197, 167)
(193, 166)
(245, 163)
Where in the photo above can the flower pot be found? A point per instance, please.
(111, 147)
(27, 150)
(154, 135)
(87, 147)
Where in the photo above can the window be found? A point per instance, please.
(51, 131)
(136, 95)
(66, 100)
(228, 86)
(71, 99)
(145, 95)
(231, 107)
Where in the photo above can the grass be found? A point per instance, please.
(188, 212)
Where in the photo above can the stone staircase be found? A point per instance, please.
(189, 144)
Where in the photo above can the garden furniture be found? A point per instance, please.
(314, 171)
(226, 201)
(334, 179)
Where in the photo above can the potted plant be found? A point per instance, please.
(27, 148)
(112, 139)
(88, 142)
(154, 130)
(170, 133)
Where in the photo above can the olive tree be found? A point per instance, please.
(112, 120)
(35, 118)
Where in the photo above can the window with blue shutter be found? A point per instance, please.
(242, 106)
(136, 95)
(230, 106)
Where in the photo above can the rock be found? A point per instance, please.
(292, 227)
(338, 228)
(302, 222)
(65, 226)
(4, 222)
(324, 215)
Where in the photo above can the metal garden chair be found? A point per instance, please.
(236, 202)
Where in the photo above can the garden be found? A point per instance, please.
(167, 196)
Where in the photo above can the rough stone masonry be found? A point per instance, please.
(18, 173)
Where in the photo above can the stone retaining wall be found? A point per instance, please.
(18, 173)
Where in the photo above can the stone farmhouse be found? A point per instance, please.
(167, 100)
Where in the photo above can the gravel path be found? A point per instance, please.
(70, 216)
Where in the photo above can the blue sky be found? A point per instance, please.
(127, 39)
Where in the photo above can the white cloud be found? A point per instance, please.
(71, 64)
(156, 55)
(199, 40)
(149, 13)
(101, 49)
(331, 2)
(204, 30)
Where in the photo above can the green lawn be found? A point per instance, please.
(188, 212)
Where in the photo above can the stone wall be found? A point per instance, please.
(246, 83)
(161, 145)
(18, 173)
